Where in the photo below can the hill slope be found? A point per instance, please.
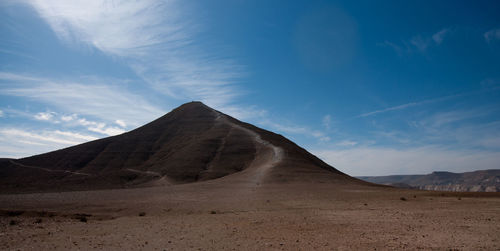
(191, 143)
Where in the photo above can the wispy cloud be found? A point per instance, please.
(244, 112)
(110, 131)
(393, 108)
(492, 35)
(458, 129)
(327, 121)
(296, 130)
(411, 104)
(15, 142)
(44, 115)
(156, 39)
(347, 143)
(447, 117)
(397, 48)
(419, 43)
(68, 118)
(99, 127)
(121, 123)
(469, 129)
(78, 122)
(439, 36)
(95, 97)
(47, 137)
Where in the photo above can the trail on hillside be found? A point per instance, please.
(149, 173)
(47, 169)
(264, 160)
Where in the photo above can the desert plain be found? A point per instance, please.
(219, 216)
(197, 179)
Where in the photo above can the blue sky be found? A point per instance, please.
(372, 88)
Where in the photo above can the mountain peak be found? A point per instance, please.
(194, 104)
(194, 108)
(191, 143)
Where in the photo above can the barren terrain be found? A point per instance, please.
(219, 216)
(222, 184)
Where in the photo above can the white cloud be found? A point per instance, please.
(419, 42)
(118, 27)
(374, 161)
(16, 142)
(492, 35)
(99, 99)
(100, 127)
(121, 123)
(1, 113)
(327, 121)
(45, 116)
(438, 37)
(9, 76)
(394, 108)
(68, 118)
(242, 113)
(448, 117)
(411, 104)
(324, 139)
(74, 135)
(397, 48)
(109, 131)
(423, 43)
(293, 129)
(44, 137)
(156, 39)
(85, 122)
(347, 143)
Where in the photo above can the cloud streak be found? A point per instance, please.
(15, 142)
(44, 116)
(411, 104)
(492, 35)
(99, 99)
(296, 130)
(419, 43)
(155, 38)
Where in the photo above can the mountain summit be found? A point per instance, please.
(191, 143)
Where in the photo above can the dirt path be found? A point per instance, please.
(150, 173)
(268, 155)
(47, 169)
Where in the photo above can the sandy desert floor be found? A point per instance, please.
(218, 216)
(284, 200)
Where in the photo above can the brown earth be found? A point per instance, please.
(277, 197)
(227, 215)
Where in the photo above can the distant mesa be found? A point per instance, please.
(192, 143)
(477, 181)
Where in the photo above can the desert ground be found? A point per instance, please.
(284, 199)
(217, 215)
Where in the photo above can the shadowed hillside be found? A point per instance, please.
(191, 143)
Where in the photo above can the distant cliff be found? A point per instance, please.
(477, 181)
